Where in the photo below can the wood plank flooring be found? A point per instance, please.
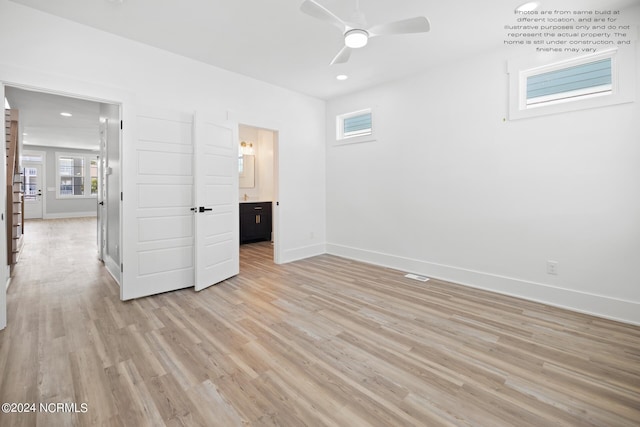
(320, 342)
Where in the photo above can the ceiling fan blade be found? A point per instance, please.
(419, 24)
(311, 8)
(342, 56)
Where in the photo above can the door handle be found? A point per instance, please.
(203, 209)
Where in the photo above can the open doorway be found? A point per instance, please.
(69, 164)
(258, 189)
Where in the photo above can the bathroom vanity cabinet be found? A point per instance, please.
(255, 221)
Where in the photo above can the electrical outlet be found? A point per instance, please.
(552, 267)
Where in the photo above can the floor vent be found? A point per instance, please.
(416, 277)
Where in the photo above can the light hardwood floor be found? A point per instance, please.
(324, 341)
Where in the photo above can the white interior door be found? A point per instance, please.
(217, 222)
(33, 182)
(161, 237)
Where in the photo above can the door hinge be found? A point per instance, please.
(121, 196)
(121, 268)
(121, 124)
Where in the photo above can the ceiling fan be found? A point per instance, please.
(356, 34)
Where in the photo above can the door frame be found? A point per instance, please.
(5, 277)
(101, 218)
(275, 126)
(36, 80)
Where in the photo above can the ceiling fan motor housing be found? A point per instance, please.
(356, 38)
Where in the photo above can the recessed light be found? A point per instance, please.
(342, 77)
(528, 7)
(66, 114)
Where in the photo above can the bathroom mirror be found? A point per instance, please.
(246, 171)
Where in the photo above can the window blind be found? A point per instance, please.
(357, 125)
(578, 80)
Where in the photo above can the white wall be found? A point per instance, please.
(450, 190)
(44, 51)
(54, 207)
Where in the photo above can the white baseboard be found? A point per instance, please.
(63, 215)
(582, 302)
(296, 254)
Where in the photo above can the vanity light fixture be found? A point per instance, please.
(342, 77)
(64, 114)
(528, 7)
(247, 148)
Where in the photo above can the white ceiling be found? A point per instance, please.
(271, 40)
(41, 122)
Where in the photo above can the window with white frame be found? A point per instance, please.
(76, 175)
(353, 125)
(588, 81)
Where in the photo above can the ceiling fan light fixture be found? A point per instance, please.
(356, 38)
(528, 7)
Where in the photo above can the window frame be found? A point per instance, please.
(342, 138)
(86, 186)
(622, 85)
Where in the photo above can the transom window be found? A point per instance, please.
(596, 80)
(569, 83)
(354, 124)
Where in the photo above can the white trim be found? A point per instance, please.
(353, 139)
(622, 89)
(581, 302)
(304, 252)
(63, 215)
(4, 237)
(34, 79)
(280, 132)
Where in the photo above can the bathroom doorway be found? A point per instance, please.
(258, 187)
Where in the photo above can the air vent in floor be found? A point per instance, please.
(416, 277)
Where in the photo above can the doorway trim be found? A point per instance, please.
(274, 127)
(35, 80)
